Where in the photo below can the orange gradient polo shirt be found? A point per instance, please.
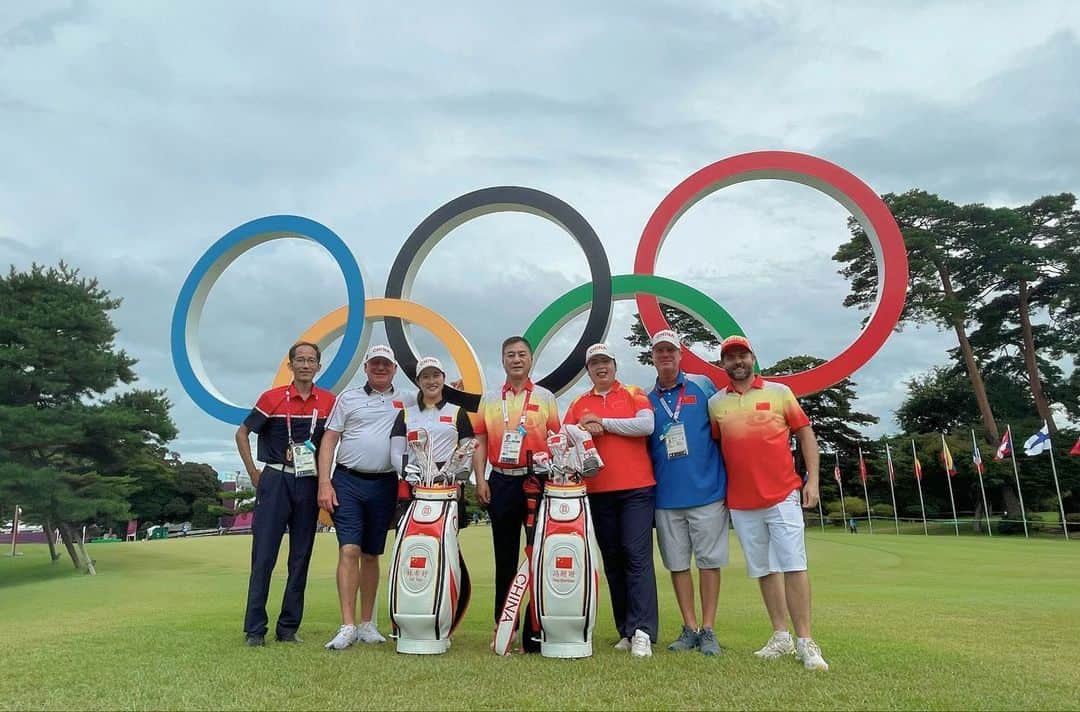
(754, 429)
(541, 416)
(626, 459)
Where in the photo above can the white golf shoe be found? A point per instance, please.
(368, 633)
(810, 654)
(623, 645)
(640, 645)
(779, 645)
(345, 637)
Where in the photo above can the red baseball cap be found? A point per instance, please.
(733, 341)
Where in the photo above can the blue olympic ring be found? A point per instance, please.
(188, 312)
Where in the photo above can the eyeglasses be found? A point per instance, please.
(305, 361)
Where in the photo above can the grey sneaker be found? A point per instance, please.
(708, 643)
(623, 645)
(687, 640)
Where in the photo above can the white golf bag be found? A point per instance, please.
(429, 583)
(565, 572)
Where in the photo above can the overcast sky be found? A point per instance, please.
(133, 135)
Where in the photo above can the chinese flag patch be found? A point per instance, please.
(446, 419)
(564, 562)
(533, 407)
(690, 400)
(400, 405)
(417, 562)
(762, 406)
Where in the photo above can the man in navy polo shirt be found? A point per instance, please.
(691, 484)
(289, 421)
(362, 492)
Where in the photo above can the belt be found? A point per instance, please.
(512, 471)
(367, 475)
(287, 469)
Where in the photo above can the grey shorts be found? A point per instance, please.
(701, 531)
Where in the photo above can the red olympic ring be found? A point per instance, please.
(862, 202)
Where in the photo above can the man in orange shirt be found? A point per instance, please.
(511, 423)
(622, 496)
(754, 420)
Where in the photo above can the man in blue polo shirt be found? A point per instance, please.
(691, 484)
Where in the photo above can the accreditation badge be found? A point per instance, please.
(675, 441)
(510, 451)
(303, 458)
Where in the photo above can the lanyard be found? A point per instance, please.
(678, 404)
(288, 415)
(524, 409)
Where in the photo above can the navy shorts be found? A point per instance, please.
(365, 508)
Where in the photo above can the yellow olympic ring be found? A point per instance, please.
(330, 327)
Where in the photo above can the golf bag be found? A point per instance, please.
(429, 583)
(565, 572)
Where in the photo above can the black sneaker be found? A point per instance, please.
(255, 641)
(288, 638)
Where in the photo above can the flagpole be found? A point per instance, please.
(866, 494)
(1016, 474)
(978, 471)
(1053, 467)
(892, 488)
(918, 481)
(948, 481)
(843, 508)
(821, 515)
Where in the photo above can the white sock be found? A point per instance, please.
(801, 642)
(783, 634)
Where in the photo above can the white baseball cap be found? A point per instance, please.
(380, 351)
(429, 362)
(666, 336)
(602, 350)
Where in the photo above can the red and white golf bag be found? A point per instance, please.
(429, 583)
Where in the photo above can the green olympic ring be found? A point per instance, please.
(625, 287)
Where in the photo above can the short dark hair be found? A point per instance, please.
(298, 344)
(516, 340)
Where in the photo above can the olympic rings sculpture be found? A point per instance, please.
(396, 310)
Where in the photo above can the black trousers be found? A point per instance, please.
(281, 500)
(624, 527)
(507, 511)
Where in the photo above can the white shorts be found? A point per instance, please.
(772, 538)
(702, 531)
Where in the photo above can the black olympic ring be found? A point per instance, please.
(501, 199)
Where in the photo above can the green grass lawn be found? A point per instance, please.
(905, 622)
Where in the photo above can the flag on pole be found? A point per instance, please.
(862, 467)
(836, 470)
(1075, 449)
(888, 460)
(946, 456)
(1006, 444)
(1038, 443)
(976, 456)
(918, 467)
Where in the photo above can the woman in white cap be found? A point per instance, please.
(447, 425)
(622, 496)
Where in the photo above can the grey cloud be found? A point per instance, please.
(1014, 139)
(41, 28)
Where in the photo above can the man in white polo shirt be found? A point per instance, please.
(360, 492)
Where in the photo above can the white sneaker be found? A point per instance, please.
(640, 645)
(810, 654)
(779, 645)
(345, 637)
(623, 645)
(368, 633)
